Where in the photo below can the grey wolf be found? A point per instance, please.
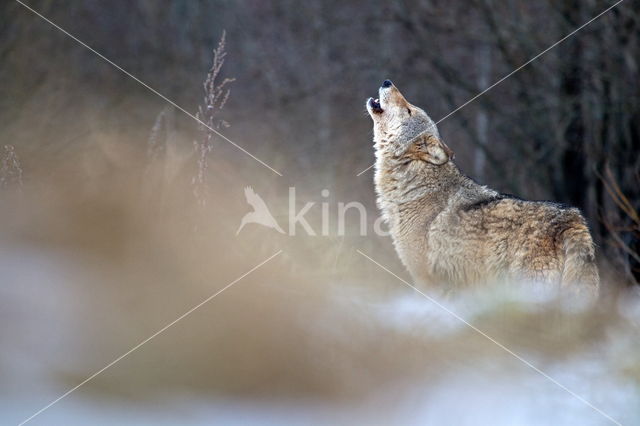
(449, 230)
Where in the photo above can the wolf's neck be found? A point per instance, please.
(400, 183)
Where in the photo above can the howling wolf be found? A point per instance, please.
(448, 230)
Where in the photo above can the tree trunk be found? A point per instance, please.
(573, 159)
(483, 59)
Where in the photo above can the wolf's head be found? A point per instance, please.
(404, 130)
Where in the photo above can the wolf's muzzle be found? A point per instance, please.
(374, 104)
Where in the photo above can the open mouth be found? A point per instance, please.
(375, 105)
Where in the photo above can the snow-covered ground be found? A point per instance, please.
(467, 381)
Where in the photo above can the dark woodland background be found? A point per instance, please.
(565, 128)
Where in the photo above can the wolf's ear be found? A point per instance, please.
(435, 151)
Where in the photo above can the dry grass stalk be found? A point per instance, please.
(625, 234)
(216, 95)
(10, 171)
(156, 144)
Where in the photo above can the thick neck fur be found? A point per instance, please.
(410, 190)
(412, 194)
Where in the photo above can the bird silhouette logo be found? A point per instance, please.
(260, 214)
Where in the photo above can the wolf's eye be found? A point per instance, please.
(409, 111)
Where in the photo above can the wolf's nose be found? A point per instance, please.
(387, 83)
